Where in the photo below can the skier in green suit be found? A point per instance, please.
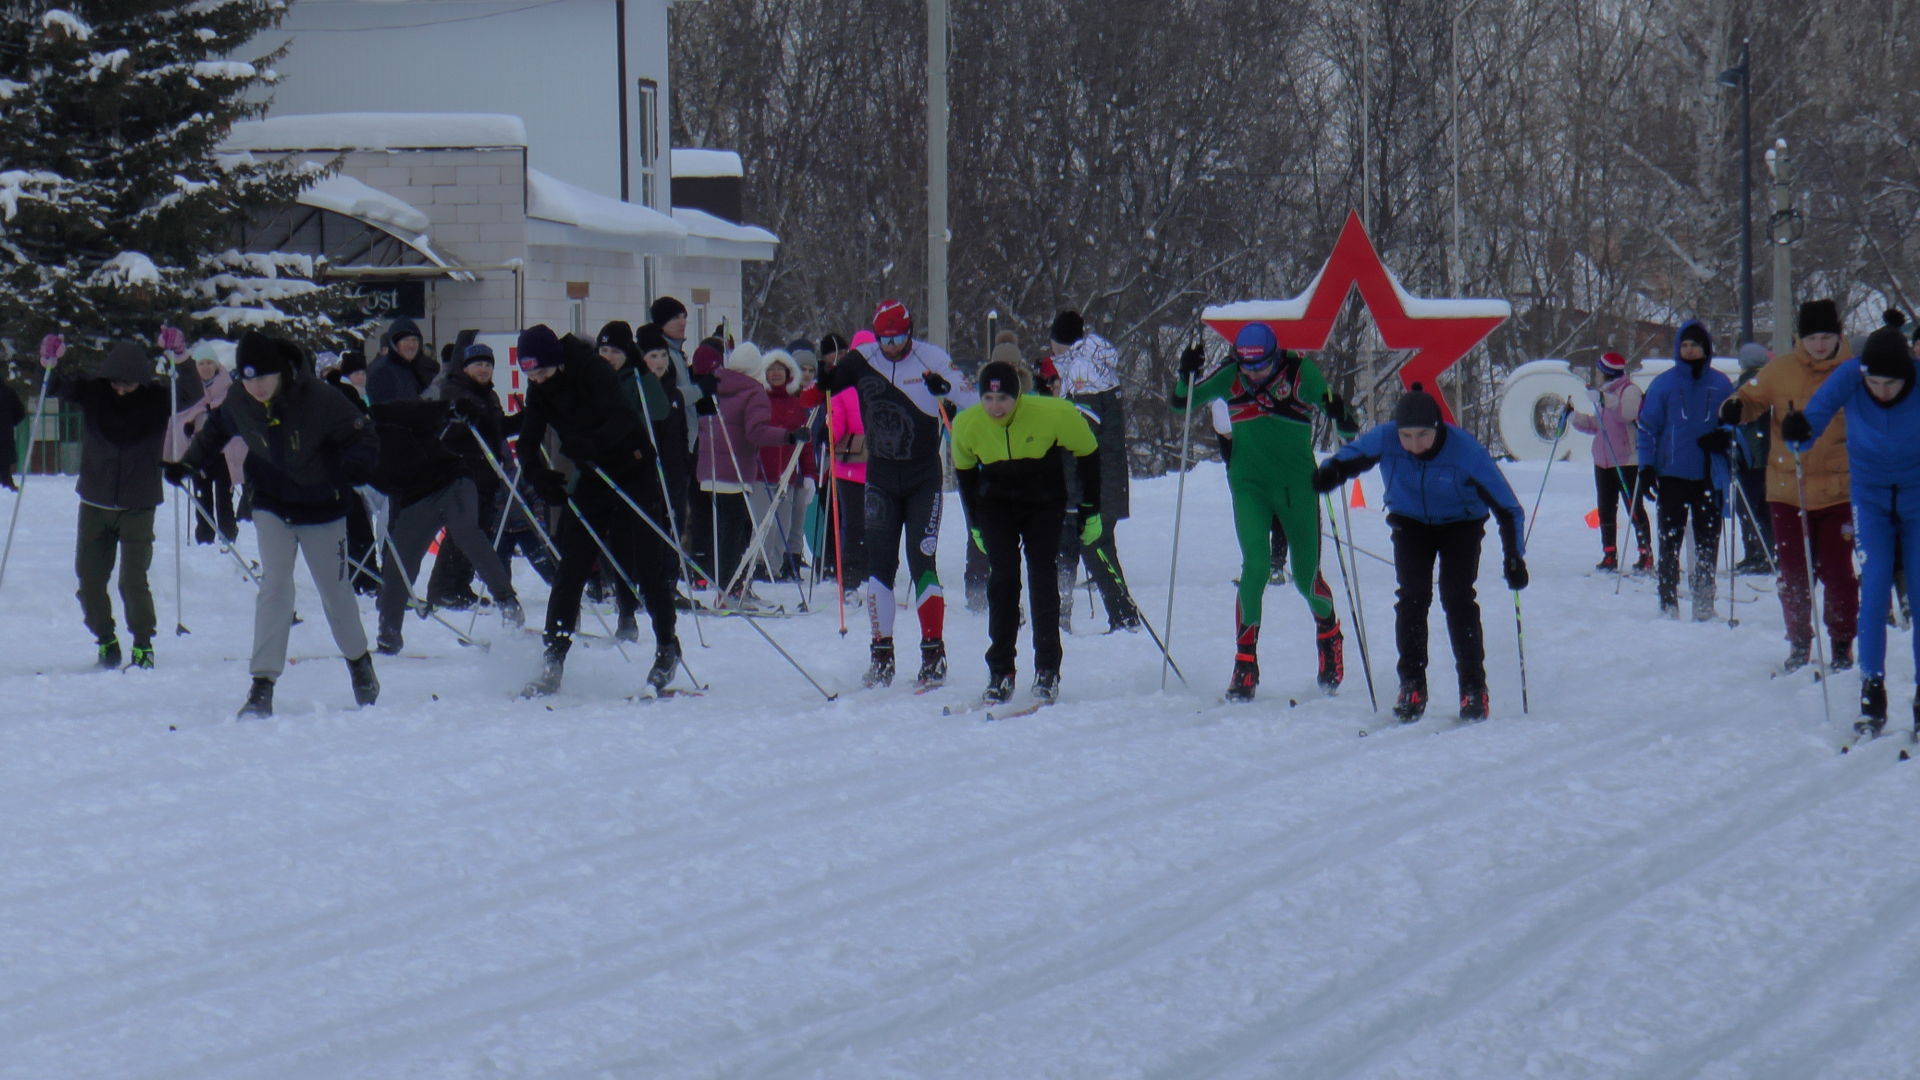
(1270, 394)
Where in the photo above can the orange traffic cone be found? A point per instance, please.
(1593, 518)
(1359, 499)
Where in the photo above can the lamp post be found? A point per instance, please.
(937, 172)
(1456, 266)
(1783, 229)
(1742, 77)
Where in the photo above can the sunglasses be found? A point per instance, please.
(895, 339)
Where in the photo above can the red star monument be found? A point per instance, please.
(1439, 331)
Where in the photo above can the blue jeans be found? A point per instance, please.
(1882, 517)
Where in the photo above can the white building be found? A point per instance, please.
(474, 133)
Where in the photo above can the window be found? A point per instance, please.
(649, 142)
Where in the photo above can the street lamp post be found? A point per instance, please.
(1456, 266)
(1742, 77)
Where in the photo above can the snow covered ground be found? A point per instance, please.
(1663, 871)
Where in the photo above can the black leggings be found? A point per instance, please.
(1616, 484)
(910, 516)
(1456, 545)
(1006, 528)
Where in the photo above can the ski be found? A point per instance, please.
(666, 694)
(1862, 734)
(1017, 711)
(964, 708)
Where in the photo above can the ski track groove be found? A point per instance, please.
(1139, 924)
(1477, 957)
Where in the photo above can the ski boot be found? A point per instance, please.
(999, 689)
(880, 670)
(1609, 563)
(1842, 659)
(1644, 564)
(1873, 707)
(1798, 653)
(933, 665)
(512, 614)
(1754, 563)
(388, 642)
(143, 656)
(1246, 676)
(366, 686)
(552, 666)
(1127, 620)
(665, 659)
(1411, 705)
(259, 704)
(628, 629)
(1333, 663)
(1473, 703)
(1046, 685)
(109, 655)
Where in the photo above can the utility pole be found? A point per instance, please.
(1742, 77)
(1783, 229)
(936, 324)
(1456, 266)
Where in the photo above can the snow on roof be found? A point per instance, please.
(703, 163)
(718, 237)
(377, 131)
(345, 195)
(589, 219)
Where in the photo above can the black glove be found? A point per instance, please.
(1730, 410)
(461, 410)
(1516, 569)
(1717, 441)
(1192, 360)
(1326, 477)
(936, 385)
(178, 472)
(707, 406)
(1341, 413)
(800, 436)
(547, 484)
(1795, 428)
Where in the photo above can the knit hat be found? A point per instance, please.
(402, 327)
(1817, 317)
(477, 353)
(832, 343)
(1885, 353)
(538, 348)
(863, 337)
(1255, 344)
(665, 310)
(1006, 353)
(999, 377)
(1754, 355)
(1416, 409)
(1067, 327)
(259, 355)
(617, 334)
(707, 358)
(1612, 363)
(649, 338)
(126, 362)
(891, 318)
(351, 361)
(746, 360)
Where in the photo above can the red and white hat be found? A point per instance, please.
(890, 319)
(1612, 363)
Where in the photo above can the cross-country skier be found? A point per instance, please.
(1616, 471)
(1272, 394)
(306, 447)
(1089, 369)
(1441, 486)
(1683, 455)
(904, 386)
(1786, 381)
(1007, 453)
(1875, 390)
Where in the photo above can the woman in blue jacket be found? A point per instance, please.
(1883, 446)
(1684, 455)
(1441, 486)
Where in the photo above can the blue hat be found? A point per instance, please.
(1255, 344)
(477, 352)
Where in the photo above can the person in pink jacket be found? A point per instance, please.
(212, 489)
(1616, 473)
(730, 440)
(847, 436)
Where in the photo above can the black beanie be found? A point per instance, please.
(258, 355)
(1886, 353)
(352, 360)
(1416, 409)
(832, 343)
(1817, 317)
(617, 334)
(999, 377)
(1067, 327)
(649, 338)
(665, 310)
(1694, 331)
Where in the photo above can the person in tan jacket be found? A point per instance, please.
(1786, 383)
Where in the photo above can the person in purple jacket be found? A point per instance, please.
(1616, 466)
(1683, 457)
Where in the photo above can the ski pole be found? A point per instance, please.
(1806, 548)
(839, 558)
(21, 496)
(1553, 452)
(1353, 602)
(1179, 504)
(1520, 642)
(673, 522)
(179, 593)
(751, 620)
(226, 545)
(1115, 571)
(1732, 526)
(420, 606)
(499, 530)
(1355, 549)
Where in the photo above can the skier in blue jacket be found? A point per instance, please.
(1683, 453)
(1883, 445)
(1441, 487)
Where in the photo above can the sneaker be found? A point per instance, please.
(143, 657)
(1798, 652)
(1473, 703)
(1046, 685)
(366, 686)
(628, 629)
(1609, 564)
(552, 666)
(1333, 663)
(1411, 705)
(512, 614)
(999, 689)
(933, 665)
(1842, 656)
(880, 670)
(665, 659)
(388, 642)
(1246, 676)
(259, 702)
(109, 656)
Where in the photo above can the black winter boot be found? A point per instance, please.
(259, 704)
(1873, 706)
(1842, 656)
(552, 666)
(366, 687)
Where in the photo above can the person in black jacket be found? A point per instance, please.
(577, 396)
(123, 429)
(12, 412)
(470, 382)
(404, 369)
(306, 447)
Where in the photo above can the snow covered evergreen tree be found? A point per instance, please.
(117, 214)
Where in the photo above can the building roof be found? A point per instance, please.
(377, 131)
(706, 163)
(567, 215)
(716, 237)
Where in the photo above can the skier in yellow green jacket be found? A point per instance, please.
(1271, 394)
(1007, 453)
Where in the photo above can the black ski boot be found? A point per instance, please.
(1411, 705)
(259, 704)
(999, 689)
(1798, 653)
(552, 666)
(1046, 685)
(1609, 563)
(628, 628)
(1246, 676)
(1473, 703)
(1873, 707)
(933, 665)
(143, 656)
(366, 686)
(109, 655)
(1842, 656)
(1333, 662)
(880, 671)
(665, 659)
(512, 614)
